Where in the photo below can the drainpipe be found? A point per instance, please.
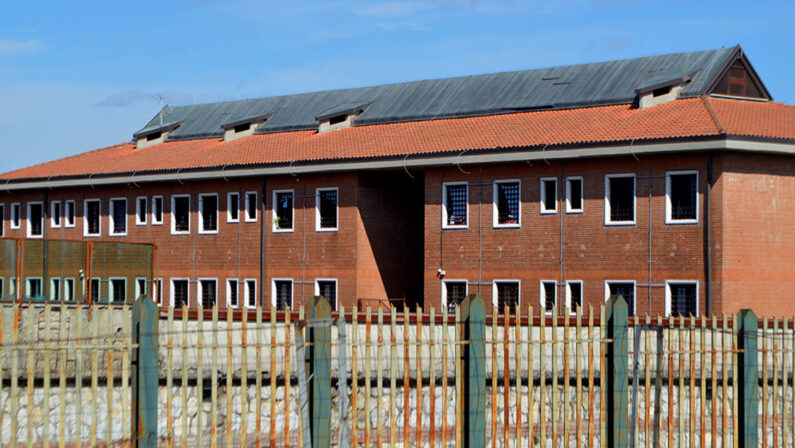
(263, 202)
(708, 240)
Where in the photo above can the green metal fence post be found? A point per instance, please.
(144, 373)
(319, 370)
(617, 374)
(473, 315)
(748, 378)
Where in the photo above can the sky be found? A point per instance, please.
(79, 75)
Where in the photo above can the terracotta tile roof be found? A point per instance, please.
(678, 119)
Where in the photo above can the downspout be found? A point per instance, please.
(263, 203)
(708, 240)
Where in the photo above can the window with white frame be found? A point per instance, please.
(12, 287)
(549, 296)
(251, 206)
(35, 220)
(117, 292)
(140, 287)
(55, 214)
(2, 224)
(16, 215)
(233, 207)
(208, 292)
(95, 288)
(327, 288)
(455, 205)
(33, 289)
(69, 290)
(283, 211)
(623, 288)
(453, 293)
(282, 293)
(118, 217)
(681, 298)
(326, 209)
(2, 288)
(549, 195)
(180, 214)
(55, 289)
(507, 203)
(250, 293)
(574, 197)
(506, 294)
(232, 293)
(157, 210)
(69, 214)
(180, 292)
(573, 295)
(157, 291)
(681, 197)
(208, 213)
(620, 199)
(141, 210)
(92, 218)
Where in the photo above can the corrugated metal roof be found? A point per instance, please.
(593, 84)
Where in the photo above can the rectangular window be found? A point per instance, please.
(33, 288)
(68, 290)
(549, 296)
(96, 290)
(180, 292)
(282, 295)
(118, 290)
(327, 288)
(573, 295)
(251, 293)
(2, 290)
(574, 195)
(12, 287)
(35, 220)
(180, 214)
(208, 213)
(506, 204)
(55, 289)
(69, 214)
(549, 195)
(251, 206)
(232, 290)
(157, 210)
(326, 209)
(233, 207)
(140, 287)
(506, 293)
(625, 289)
(681, 298)
(283, 211)
(208, 289)
(2, 226)
(16, 215)
(118, 217)
(620, 199)
(157, 291)
(92, 217)
(681, 197)
(455, 205)
(141, 210)
(55, 214)
(453, 293)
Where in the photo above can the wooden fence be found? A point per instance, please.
(97, 374)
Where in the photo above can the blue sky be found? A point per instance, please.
(79, 75)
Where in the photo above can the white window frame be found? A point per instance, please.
(634, 292)
(54, 280)
(28, 221)
(542, 296)
(202, 231)
(53, 224)
(273, 291)
(112, 219)
(200, 293)
(172, 289)
(542, 206)
(66, 223)
(495, 210)
(608, 222)
(317, 210)
(174, 197)
(229, 207)
(668, 284)
(138, 221)
(13, 287)
(256, 208)
(445, 224)
(572, 311)
(27, 286)
(155, 221)
(2, 287)
(138, 291)
(668, 207)
(275, 228)
(157, 291)
(18, 207)
(66, 281)
(246, 294)
(229, 292)
(111, 289)
(336, 290)
(495, 302)
(85, 218)
(453, 280)
(569, 209)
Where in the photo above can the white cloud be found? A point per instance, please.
(11, 47)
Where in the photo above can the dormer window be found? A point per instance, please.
(154, 135)
(661, 89)
(339, 117)
(242, 127)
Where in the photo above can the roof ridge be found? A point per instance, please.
(712, 113)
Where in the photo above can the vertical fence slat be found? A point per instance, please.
(62, 376)
(565, 402)
(258, 347)
(578, 374)
(342, 381)
(393, 379)
(244, 408)
(703, 390)
(748, 394)
(3, 357)
(48, 344)
(184, 385)
(542, 383)
(517, 353)
(406, 368)
(474, 334)
(493, 376)
(169, 432)
(78, 351)
(530, 378)
(418, 351)
(591, 345)
(554, 361)
(602, 374)
(774, 356)
(15, 377)
(647, 357)
(214, 379)
(792, 381)
(355, 379)
(432, 378)
(444, 376)
(506, 375)
(730, 358)
(714, 375)
(287, 379)
(200, 374)
(379, 357)
(692, 396)
(681, 392)
(94, 372)
(459, 387)
(272, 380)
(109, 376)
(30, 378)
(367, 373)
(765, 352)
(145, 374)
(229, 373)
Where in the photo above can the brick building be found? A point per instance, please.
(668, 179)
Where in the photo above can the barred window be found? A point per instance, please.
(157, 291)
(251, 293)
(55, 289)
(69, 290)
(574, 295)
(180, 214)
(232, 286)
(621, 199)
(96, 290)
(283, 205)
(455, 205)
(180, 292)
(283, 294)
(328, 290)
(507, 295)
(118, 290)
(549, 295)
(455, 291)
(35, 219)
(682, 196)
(625, 290)
(507, 198)
(118, 225)
(683, 298)
(33, 288)
(92, 217)
(208, 211)
(208, 290)
(326, 209)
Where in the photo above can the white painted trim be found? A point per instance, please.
(53, 281)
(668, 284)
(16, 207)
(138, 221)
(445, 225)
(572, 311)
(28, 288)
(229, 208)
(66, 223)
(495, 302)
(111, 289)
(542, 206)
(174, 197)
(156, 222)
(317, 210)
(157, 290)
(494, 206)
(608, 222)
(246, 294)
(171, 290)
(273, 291)
(202, 231)
(668, 208)
(88, 281)
(66, 281)
(452, 280)
(256, 207)
(542, 296)
(200, 293)
(53, 224)
(85, 218)
(229, 293)
(634, 293)
(112, 219)
(336, 290)
(274, 227)
(569, 209)
(28, 221)
(137, 291)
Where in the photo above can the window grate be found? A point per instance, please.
(328, 209)
(209, 205)
(284, 211)
(508, 203)
(35, 215)
(550, 289)
(328, 290)
(683, 196)
(232, 287)
(119, 290)
(456, 205)
(622, 199)
(284, 294)
(209, 296)
(119, 216)
(456, 293)
(683, 299)
(627, 291)
(182, 214)
(507, 295)
(180, 293)
(575, 296)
